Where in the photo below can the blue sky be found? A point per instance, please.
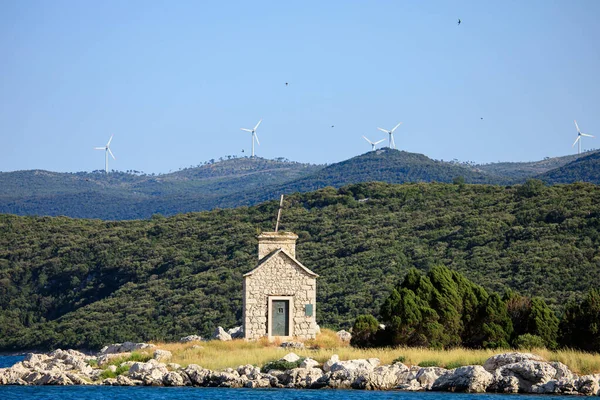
(174, 81)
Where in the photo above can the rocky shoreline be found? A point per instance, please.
(502, 373)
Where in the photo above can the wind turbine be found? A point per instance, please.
(106, 151)
(579, 135)
(391, 143)
(373, 143)
(254, 135)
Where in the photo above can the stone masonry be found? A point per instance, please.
(279, 275)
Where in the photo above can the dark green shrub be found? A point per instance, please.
(281, 365)
(529, 341)
(363, 331)
(399, 359)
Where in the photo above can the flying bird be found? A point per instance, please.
(332, 126)
(459, 21)
(286, 84)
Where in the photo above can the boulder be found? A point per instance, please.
(327, 365)
(588, 385)
(249, 371)
(562, 371)
(504, 384)
(126, 347)
(77, 379)
(14, 375)
(427, 377)
(110, 382)
(258, 383)
(122, 380)
(344, 336)
(411, 386)
(162, 355)
(290, 357)
(343, 374)
(300, 377)
(384, 377)
(529, 375)
(236, 333)
(221, 335)
(191, 338)
(309, 363)
(228, 378)
(197, 375)
(469, 379)
(174, 378)
(150, 373)
(499, 360)
(292, 345)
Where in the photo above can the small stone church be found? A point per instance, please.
(280, 293)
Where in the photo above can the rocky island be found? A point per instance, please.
(501, 373)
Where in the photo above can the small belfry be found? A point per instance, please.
(280, 292)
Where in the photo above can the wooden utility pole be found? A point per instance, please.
(279, 214)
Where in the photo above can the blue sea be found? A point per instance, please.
(188, 393)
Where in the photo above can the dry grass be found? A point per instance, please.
(218, 355)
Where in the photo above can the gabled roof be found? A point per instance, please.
(274, 254)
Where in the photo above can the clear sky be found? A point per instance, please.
(174, 81)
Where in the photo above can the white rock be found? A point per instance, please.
(126, 347)
(236, 333)
(162, 355)
(191, 338)
(344, 336)
(309, 363)
(327, 365)
(290, 357)
(470, 379)
(173, 379)
(427, 377)
(220, 334)
(499, 360)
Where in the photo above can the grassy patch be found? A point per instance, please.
(429, 363)
(217, 355)
(135, 356)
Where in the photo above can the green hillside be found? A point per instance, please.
(384, 165)
(120, 195)
(246, 181)
(524, 170)
(84, 283)
(584, 169)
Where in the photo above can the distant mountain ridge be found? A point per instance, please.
(248, 181)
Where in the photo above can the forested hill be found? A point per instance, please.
(524, 170)
(120, 195)
(246, 181)
(584, 169)
(84, 283)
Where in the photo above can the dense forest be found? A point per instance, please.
(84, 283)
(235, 182)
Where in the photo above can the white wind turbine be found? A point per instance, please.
(254, 136)
(106, 151)
(391, 143)
(579, 135)
(373, 144)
